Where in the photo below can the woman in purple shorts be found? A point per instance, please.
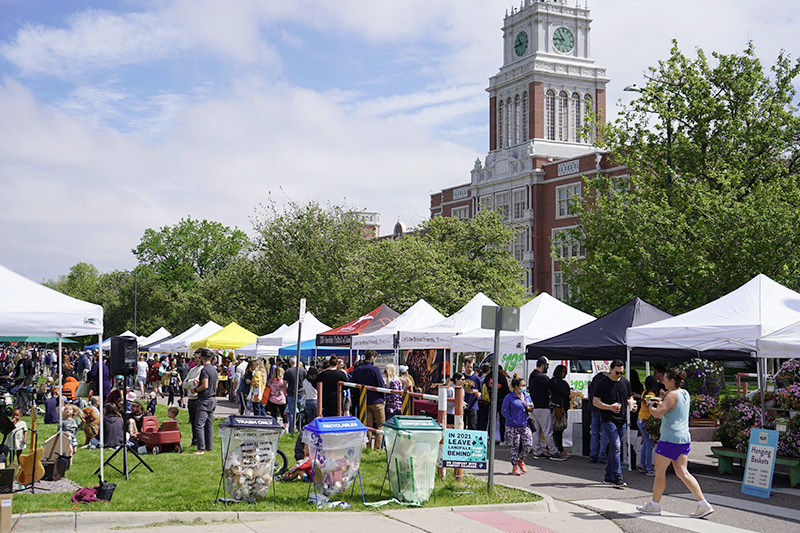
(673, 447)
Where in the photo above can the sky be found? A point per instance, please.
(119, 116)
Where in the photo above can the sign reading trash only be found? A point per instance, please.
(464, 448)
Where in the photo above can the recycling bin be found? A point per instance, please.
(249, 446)
(412, 451)
(334, 445)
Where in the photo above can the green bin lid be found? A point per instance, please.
(413, 423)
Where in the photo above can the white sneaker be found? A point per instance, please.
(702, 511)
(649, 509)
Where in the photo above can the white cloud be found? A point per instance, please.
(98, 189)
(93, 40)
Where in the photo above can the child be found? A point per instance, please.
(69, 425)
(172, 413)
(151, 405)
(301, 468)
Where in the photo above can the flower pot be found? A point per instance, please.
(771, 403)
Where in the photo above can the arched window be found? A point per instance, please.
(550, 115)
(500, 111)
(577, 116)
(525, 116)
(517, 121)
(563, 116)
(588, 110)
(509, 122)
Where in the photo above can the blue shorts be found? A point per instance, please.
(671, 450)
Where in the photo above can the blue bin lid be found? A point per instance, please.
(251, 422)
(335, 424)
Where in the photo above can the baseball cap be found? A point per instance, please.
(542, 361)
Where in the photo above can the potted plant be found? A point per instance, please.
(703, 377)
(735, 431)
(789, 373)
(789, 442)
(789, 397)
(703, 410)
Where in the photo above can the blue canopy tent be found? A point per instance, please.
(310, 350)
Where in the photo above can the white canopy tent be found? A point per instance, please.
(440, 335)
(29, 308)
(727, 328)
(418, 316)
(254, 350)
(182, 345)
(159, 334)
(729, 324)
(159, 348)
(541, 318)
(287, 337)
(784, 343)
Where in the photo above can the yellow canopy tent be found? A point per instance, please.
(230, 337)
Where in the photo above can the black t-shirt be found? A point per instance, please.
(609, 392)
(289, 378)
(329, 378)
(208, 371)
(592, 386)
(539, 389)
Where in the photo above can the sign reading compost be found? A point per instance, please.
(761, 453)
(464, 448)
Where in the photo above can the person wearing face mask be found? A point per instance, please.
(541, 416)
(516, 406)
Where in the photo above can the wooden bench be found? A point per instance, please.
(727, 455)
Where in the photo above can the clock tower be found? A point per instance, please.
(548, 82)
(540, 101)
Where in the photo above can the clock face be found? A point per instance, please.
(563, 40)
(521, 44)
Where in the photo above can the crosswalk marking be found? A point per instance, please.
(670, 519)
(747, 505)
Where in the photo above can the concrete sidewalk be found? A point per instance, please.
(545, 516)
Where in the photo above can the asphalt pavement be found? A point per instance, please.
(581, 483)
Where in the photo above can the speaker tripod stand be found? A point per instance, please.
(124, 448)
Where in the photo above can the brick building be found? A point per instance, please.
(539, 102)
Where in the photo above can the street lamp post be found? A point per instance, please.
(636, 89)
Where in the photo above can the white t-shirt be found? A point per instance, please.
(311, 390)
(142, 369)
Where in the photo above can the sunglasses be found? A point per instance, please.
(619, 372)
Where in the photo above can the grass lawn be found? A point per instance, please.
(188, 482)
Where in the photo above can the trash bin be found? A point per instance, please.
(412, 450)
(334, 445)
(249, 445)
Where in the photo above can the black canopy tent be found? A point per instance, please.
(601, 339)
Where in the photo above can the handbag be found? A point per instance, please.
(559, 419)
(83, 389)
(265, 396)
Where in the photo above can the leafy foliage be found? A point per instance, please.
(725, 209)
(189, 250)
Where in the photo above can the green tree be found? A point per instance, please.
(81, 282)
(189, 250)
(702, 214)
(445, 260)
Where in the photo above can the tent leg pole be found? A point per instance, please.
(762, 387)
(61, 394)
(628, 414)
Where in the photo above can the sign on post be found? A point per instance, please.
(464, 448)
(761, 453)
(508, 322)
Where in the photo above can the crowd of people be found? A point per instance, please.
(531, 416)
